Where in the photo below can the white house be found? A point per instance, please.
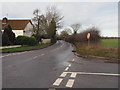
(19, 26)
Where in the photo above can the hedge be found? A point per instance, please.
(82, 37)
(24, 40)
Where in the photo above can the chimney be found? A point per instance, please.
(5, 20)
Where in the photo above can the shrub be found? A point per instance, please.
(82, 37)
(8, 37)
(39, 37)
(0, 37)
(94, 35)
(70, 39)
(5, 40)
(24, 40)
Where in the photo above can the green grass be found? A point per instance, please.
(110, 43)
(106, 48)
(24, 48)
(97, 52)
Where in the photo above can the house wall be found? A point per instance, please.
(28, 30)
(17, 32)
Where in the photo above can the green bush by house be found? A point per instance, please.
(24, 40)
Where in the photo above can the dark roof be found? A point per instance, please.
(17, 24)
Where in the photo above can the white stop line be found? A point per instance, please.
(90, 73)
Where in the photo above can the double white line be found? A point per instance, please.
(70, 81)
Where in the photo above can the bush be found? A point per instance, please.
(5, 40)
(94, 35)
(0, 37)
(40, 37)
(82, 37)
(70, 38)
(24, 40)
(8, 37)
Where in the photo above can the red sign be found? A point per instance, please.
(88, 35)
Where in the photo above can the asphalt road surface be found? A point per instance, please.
(57, 67)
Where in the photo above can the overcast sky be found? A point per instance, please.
(103, 15)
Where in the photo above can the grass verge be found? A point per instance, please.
(98, 51)
(23, 48)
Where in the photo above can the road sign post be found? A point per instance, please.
(88, 37)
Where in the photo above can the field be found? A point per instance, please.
(110, 43)
(107, 48)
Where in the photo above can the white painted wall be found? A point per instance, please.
(28, 30)
(17, 32)
(45, 41)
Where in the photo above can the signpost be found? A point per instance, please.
(88, 37)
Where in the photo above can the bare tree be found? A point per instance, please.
(53, 12)
(47, 23)
(75, 27)
(35, 21)
(38, 22)
(64, 33)
(68, 30)
(53, 21)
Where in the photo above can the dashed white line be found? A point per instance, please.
(38, 56)
(1, 56)
(42, 54)
(6, 55)
(69, 65)
(73, 60)
(70, 83)
(35, 57)
(66, 68)
(57, 82)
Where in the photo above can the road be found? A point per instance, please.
(57, 67)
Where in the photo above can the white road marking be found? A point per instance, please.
(42, 54)
(62, 45)
(73, 60)
(69, 65)
(6, 55)
(35, 57)
(13, 54)
(1, 56)
(89, 73)
(38, 56)
(20, 53)
(63, 74)
(57, 82)
(70, 83)
(73, 75)
(31, 51)
(66, 68)
(105, 74)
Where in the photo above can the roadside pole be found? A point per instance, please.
(88, 42)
